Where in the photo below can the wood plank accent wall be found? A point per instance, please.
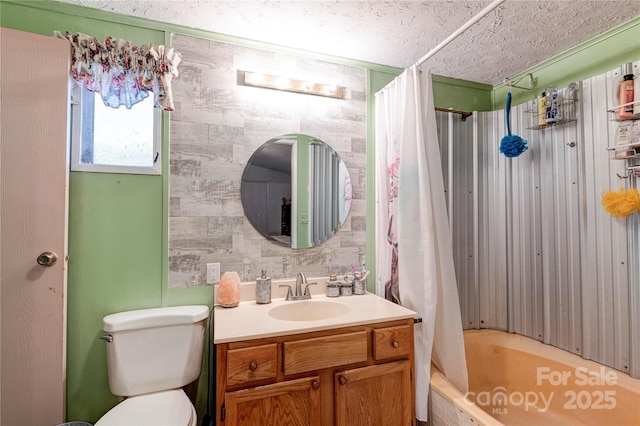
(216, 127)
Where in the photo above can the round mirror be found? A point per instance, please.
(296, 191)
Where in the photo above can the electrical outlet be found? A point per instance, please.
(213, 273)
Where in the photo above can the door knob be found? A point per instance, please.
(48, 258)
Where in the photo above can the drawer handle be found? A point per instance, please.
(342, 380)
(253, 366)
(315, 385)
(395, 344)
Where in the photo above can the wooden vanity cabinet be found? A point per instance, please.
(351, 376)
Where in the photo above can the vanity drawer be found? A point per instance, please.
(324, 352)
(392, 342)
(252, 364)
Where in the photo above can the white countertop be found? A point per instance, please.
(250, 321)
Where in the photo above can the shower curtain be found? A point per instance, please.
(414, 257)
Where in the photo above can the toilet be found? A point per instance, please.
(151, 354)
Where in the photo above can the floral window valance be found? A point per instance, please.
(122, 73)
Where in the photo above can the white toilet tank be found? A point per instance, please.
(154, 349)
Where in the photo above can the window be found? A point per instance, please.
(110, 140)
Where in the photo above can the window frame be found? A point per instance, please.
(76, 142)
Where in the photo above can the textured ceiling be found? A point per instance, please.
(513, 37)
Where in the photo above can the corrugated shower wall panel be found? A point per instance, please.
(608, 258)
(452, 130)
(535, 252)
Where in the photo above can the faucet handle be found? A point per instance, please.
(306, 289)
(289, 292)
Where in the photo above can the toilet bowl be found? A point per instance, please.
(151, 354)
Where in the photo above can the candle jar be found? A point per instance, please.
(346, 287)
(333, 287)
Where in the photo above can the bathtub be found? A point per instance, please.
(515, 380)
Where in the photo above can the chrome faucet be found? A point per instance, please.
(301, 279)
(299, 295)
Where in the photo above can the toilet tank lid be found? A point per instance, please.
(154, 317)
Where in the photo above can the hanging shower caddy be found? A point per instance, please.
(628, 130)
(557, 111)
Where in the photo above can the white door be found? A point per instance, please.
(33, 223)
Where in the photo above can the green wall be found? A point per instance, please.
(118, 223)
(595, 56)
(115, 234)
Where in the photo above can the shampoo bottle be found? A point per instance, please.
(560, 114)
(571, 96)
(552, 104)
(542, 109)
(625, 94)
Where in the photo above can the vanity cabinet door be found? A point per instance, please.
(289, 403)
(375, 395)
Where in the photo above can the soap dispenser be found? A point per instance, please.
(263, 289)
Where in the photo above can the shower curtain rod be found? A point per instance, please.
(460, 30)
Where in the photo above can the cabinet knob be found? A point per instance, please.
(253, 366)
(395, 344)
(315, 385)
(342, 380)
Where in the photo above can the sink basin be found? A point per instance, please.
(308, 310)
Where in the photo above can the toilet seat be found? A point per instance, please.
(166, 408)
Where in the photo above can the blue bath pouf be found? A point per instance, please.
(511, 145)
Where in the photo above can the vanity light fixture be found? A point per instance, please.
(266, 81)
